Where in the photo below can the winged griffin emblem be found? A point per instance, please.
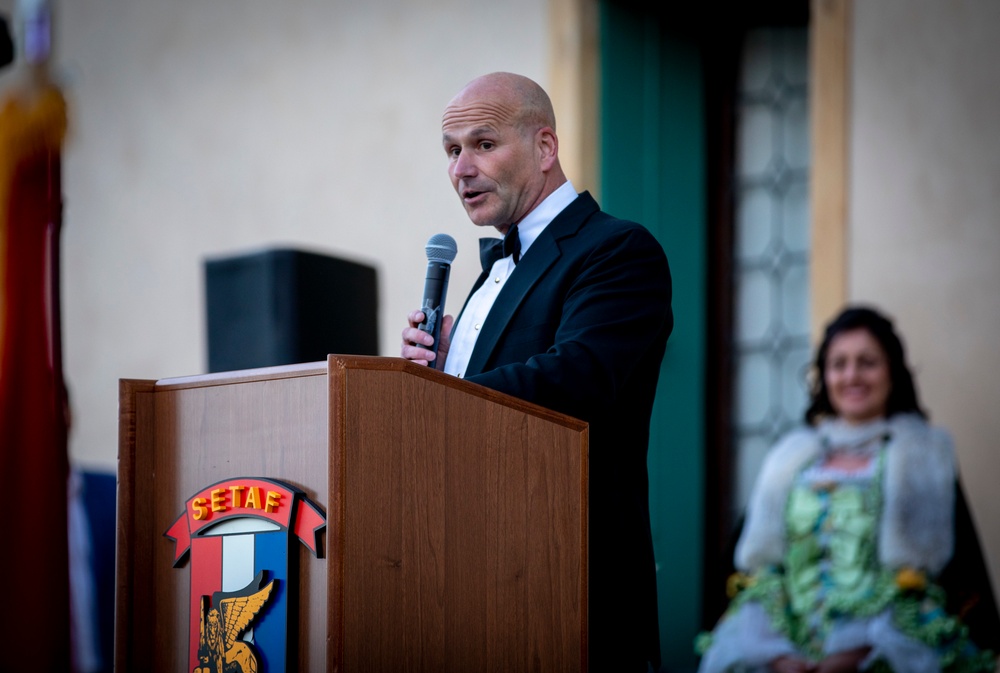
(225, 619)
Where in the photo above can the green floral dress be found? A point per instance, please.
(831, 579)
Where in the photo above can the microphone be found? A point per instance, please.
(441, 250)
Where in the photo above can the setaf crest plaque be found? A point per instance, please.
(238, 534)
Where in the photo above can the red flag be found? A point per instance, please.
(33, 412)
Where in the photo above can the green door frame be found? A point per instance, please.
(652, 171)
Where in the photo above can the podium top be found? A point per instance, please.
(365, 362)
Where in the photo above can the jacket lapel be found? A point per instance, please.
(534, 264)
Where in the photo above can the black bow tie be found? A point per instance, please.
(492, 249)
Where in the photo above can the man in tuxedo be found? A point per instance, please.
(572, 313)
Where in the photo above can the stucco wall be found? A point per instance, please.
(208, 128)
(200, 129)
(924, 214)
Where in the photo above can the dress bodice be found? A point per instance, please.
(831, 519)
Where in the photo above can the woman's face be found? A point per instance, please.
(857, 376)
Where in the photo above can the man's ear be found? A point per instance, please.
(547, 145)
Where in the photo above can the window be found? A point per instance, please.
(770, 333)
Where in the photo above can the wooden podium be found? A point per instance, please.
(456, 516)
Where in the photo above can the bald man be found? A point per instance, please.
(573, 315)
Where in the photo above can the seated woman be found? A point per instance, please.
(850, 521)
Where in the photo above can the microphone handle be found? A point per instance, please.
(435, 289)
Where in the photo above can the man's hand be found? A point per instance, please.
(417, 343)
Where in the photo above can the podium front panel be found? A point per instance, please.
(190, 435)
(463, 543)
(456, 517)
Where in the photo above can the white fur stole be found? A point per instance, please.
(917, 526)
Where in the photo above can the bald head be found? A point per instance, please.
(503, 154)
(508, 98)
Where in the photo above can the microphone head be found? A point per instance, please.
(441, 248)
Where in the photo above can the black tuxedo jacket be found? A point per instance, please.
(580, 327)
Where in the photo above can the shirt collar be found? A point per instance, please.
(534, 223)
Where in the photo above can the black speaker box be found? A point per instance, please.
(284, 306)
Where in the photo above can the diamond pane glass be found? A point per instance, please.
(756, 146)
(795, 299)
(753, 306)
(748, 466)
(795, 218)
(795, 393)
(771, 241)
(796, 134)
(794, 50)
(753, 223)
(757, 55)
(753, 390)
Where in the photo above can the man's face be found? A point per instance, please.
(494, 165)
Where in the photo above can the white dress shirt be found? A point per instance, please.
(465, 333)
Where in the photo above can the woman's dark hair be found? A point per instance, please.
(902, 390)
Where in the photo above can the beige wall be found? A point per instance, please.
(208, 128)
(924, 215)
